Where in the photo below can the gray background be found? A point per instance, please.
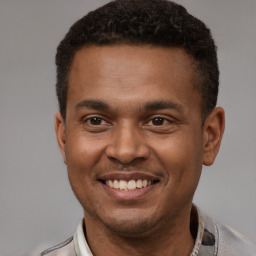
(36, 204)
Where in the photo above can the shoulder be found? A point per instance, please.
(220, 240)
(63, 249)
(231, 242)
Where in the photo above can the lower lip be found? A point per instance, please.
(128, 195)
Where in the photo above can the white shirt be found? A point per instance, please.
(82, 248)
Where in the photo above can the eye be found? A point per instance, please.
(161, 124)
(158, 121)
(95, 121)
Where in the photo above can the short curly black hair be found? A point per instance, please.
(143, 22)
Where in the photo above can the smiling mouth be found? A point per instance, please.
(129, 185)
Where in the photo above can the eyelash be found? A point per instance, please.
(101, 119)
(162, 121)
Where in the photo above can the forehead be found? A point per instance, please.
(126, 71)
(110, 57)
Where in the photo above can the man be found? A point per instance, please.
(137, 84)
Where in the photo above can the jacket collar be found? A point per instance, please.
(205, 242)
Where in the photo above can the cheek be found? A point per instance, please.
(83, 158)
(181, 157)
(83, 155)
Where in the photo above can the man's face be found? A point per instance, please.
(133, 121)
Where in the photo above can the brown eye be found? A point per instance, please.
(95, 121)
(158, 121)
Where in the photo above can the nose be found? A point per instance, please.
(126, 145)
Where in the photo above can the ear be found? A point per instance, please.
(60, 134)
(212, 135)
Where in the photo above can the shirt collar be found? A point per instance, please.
(82, 248)
(200, 231)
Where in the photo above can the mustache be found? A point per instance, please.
(131, 168)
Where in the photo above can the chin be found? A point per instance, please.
(130, 224)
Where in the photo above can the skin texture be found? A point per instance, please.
(132, 111)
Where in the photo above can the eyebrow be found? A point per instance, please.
(93, 104)
(149, 106)
(159, 104)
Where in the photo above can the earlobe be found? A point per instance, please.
(60, 134)
(213, 133)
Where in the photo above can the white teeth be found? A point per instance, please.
(144, 183)
(116, 184)
(139, 183)
(110, 183)
(131, 185)
(123, 185)
(128, 185)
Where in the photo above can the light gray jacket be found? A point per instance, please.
(213, 239)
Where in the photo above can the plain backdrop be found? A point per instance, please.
(37, 205)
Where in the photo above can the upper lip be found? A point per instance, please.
(127, 176)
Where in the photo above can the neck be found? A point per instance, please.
(173, 238)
